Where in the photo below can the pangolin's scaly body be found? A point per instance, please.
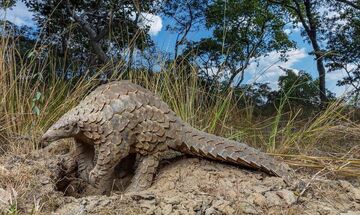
(120, 118)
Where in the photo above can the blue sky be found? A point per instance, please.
(267, 70)
(264, 70)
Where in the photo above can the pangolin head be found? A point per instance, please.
(65, 127)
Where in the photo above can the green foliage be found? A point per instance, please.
(308, 16)
(299, 88)
(7, 3)
(344, 50)
(90, 32)
(242, 30)
(187, 16)
(258, 95)
(21, 36)
(34, 104)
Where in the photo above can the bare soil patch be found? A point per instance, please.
(35, 183)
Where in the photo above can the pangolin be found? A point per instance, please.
(121, 118)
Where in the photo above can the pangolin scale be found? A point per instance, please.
(122, 118)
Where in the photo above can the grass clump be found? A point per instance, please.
(34, 95)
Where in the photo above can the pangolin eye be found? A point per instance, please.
(67, 128)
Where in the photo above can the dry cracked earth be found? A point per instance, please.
(35, 184)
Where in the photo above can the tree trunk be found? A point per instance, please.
(311, 31)
(320, 68)
(322, 72)
(233, 76)
(309, 22)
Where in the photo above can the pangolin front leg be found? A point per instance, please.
(144, 173)
(80, 159)
(84, 156)
(109, 155)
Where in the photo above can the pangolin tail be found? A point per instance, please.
(202, 144)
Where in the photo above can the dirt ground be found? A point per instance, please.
(35, 184)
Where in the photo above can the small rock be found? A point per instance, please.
(167, 209)
(259, 199)
(44, 180)
(327, 210)
(260, 189)
(4, 171)
(158, 211)
(287, 196)
(191, 205)
(176, 212)
(232, 194)
(346, 185)
(355, 192)
(5, 199)
(247, 208)
(223, 206)
(150, 210)
(272, 199)
(170, 185)
(175, 200)
(84, 202)
(185, 212)
(211, 211)
(147, 205)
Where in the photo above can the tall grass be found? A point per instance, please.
(28, 101)
(33, 96)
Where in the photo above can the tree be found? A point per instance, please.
(258, 94)
(299, 88)
(306, 12)
(23, 37)
(242, 31)
(188, 16)
(344, 47)
(91, 32)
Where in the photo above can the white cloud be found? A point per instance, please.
(152, 21)
(332, 78)
(266, 68)
(339, 91)
(292, 27)
(287, 31)
(335, 75)
(19, 15)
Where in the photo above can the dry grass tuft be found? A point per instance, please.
(33, 96)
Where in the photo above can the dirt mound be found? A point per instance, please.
(35, 184)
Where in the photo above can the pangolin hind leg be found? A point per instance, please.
(144, 173)
(124, 172)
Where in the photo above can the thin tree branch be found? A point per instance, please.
(86, 28)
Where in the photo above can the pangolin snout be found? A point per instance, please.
(48, 137)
